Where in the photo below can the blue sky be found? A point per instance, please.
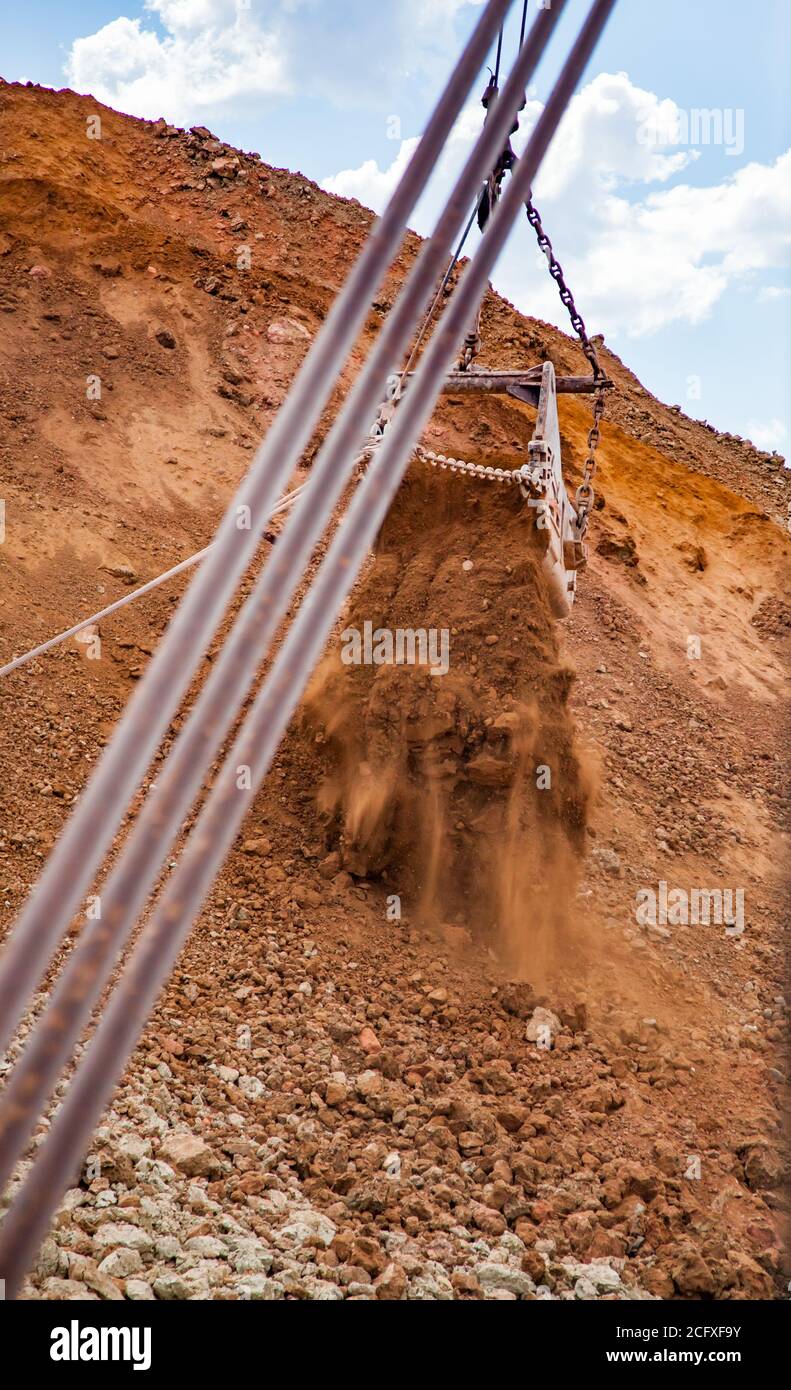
(674, 226)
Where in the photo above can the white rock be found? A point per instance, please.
(120, 1263)
(159, 1174)
(585, 1289)
(602, 1276)
(252, 1087)
(494, 1277)
(258, 1287)
(286, 331)
(168, 1248)
(134, 1146)
(425, 1288)
(124, 1234)
(542, 1026)
(181, 1286)
(49, 1259)
(209, 1247)
(226, 1073)
(392, 1166)
(251, 1258)
(307, 1224)
(138, 1290)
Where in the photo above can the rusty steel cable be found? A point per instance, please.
(254, 747)
(89, 833)
(134, 874)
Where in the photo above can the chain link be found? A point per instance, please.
(585, 494)
(474, 470)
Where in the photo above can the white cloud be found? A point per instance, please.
(217, 51)
(640, 255)
(770, 293)
(370, 184)
(212, 53)
(767, 434)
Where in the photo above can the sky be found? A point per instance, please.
(666, 192)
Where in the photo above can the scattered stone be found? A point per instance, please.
(189, 1155)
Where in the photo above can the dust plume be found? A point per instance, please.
(466, 791)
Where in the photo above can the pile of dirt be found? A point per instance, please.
(455, 772)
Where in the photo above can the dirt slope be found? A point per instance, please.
(368, 1106)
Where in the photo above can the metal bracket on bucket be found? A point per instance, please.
(543, 486)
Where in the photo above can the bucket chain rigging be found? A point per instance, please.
(489, 196)
(585, 495)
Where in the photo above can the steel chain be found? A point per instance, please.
(474, 470)
(585, 494)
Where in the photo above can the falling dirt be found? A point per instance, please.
(457, 777)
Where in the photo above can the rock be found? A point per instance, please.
(139, 1291)
(68, 1290)
(608, 860)
(49, 1260)
(124, 572)
(189, 1155)
(499, 1276)
(308, 1225)
(225, 167)
(124, 1234)
(120, 1263)
(692, 1276)
(368, 1041)
(602, 1277)
(260, 846)
(763, 1165)
(369, 1083)
(487, 1220)
(179, 1287)
(658, 1283)
(534, 1264)
(542, 1027)
(518, 998)
(109, 268)
(251, 1258)
(287, 331)
(391, 1284)
(208, 1247)
(488, 771)
(431, 1286)
(260, 1289)
(512, 1117)
(585, 1289)
(337, 1091)
(165, 338)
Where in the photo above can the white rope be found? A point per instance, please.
(282, 506)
